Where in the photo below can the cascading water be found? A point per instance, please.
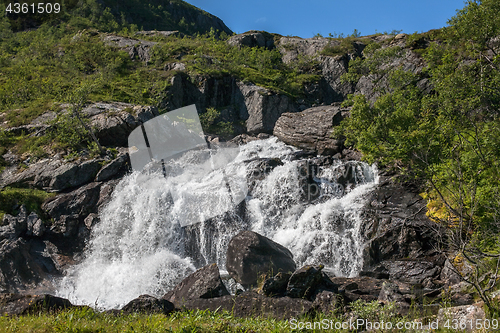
(148, 237)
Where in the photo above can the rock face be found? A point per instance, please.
(311, 129)
(204, 283)
(113, 122)
(249, 255)
(253, 39)
(264, 107)
(258, 107)
(400, 236)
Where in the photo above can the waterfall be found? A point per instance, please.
(156, 230)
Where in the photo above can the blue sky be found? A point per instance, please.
(306, 18)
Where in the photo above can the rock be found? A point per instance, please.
(74, 174)
(414, 271)
(160, 33)
(332, 68)
(311, 129)
(263, 107)
(35, 226)
(276, 285)
(365, 288)
(292, 47)
(249, 255)
(465, 314)
(449, 274)
(304, 281)
(113, 122)
(17, 304)
(251, 305)
(175, 66)
(112, 168)
(136, 48)
(396, 226)
(328, 302)
(204, 283)
(253, 39)
(390, 293)
(148, 304)
(20, 269)
(14, 226)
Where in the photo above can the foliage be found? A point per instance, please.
(10, 198)
(449, 139)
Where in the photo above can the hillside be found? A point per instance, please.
(108, 15)
(423, 107)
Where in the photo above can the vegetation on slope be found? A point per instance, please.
(449, 140)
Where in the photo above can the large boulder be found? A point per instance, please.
(148, 304)
(204, 283)
(250, 255)
(136, 48)
(311, 129)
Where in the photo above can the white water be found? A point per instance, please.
(148, 238)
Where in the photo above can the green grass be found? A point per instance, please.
(87, 320)
(31, 198)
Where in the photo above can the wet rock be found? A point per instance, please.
(17, 304)
(250, 305)
(148, 304)
(249, 255)
(311, 129)
(204, 283)
(365, 288)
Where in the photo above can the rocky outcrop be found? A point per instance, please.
(253, 39)
(204, 283)
(311, 129)
(258, 107)
(113, 122)
(136, 48)
(249, 255)
(264, 107)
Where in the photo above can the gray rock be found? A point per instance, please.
(35, 226)
(112, 168)
(204, 283)
(264, 107)
(292, 47)
(113, 122)
(311, 129)
(74, 174)
(136, 48)
(249, 255)
(253, 39)
(328, 302)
